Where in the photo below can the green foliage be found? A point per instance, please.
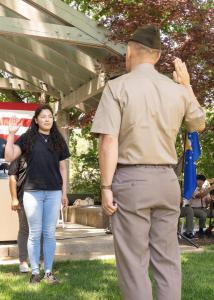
(185, 26)
(85, 176)
(206, 163)
(86, 7)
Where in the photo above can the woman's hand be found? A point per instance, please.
(15, 204)
(181, 75)
(13, 125)
(64, 200)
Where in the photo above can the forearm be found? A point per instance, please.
(12, 187)
(9, 148)
(191, 93)
(108, 157)
(63, 172)
(204, 193)
(12, 151)
(195, 116)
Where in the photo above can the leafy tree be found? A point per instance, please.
(85, 176)
(206, 162)
(185, 27)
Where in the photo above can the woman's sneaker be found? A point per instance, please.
(23, 267)
(50, 278)
(35, 279)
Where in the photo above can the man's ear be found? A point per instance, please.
(158, 56)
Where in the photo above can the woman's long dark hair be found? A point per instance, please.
(56, 141)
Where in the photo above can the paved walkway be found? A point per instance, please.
(76, 242)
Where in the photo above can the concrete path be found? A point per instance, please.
(76, 242)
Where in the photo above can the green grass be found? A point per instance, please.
(96, 280)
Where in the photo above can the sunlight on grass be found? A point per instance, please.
(184, 259)
(96, 280)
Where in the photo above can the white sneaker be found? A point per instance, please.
(24, 268)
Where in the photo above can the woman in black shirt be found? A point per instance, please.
(44, 186)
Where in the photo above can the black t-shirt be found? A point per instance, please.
(18, 168)
(43, 171)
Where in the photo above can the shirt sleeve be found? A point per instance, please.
(14, 167)
(194, 118)
(107, 119)
(64, 153)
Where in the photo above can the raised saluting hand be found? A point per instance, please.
(14, 125)
(181, 74)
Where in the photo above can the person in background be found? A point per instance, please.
(199, 203)
(187, 212)
(45, 184)
(17, 173)
(211, 207)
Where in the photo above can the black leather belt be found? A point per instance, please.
(143, 165)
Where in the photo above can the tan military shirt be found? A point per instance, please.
(145, 110)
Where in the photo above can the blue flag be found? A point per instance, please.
(192, 153)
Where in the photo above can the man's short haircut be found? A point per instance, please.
(140, 48)
(201, 177)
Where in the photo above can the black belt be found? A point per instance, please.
(143, 165)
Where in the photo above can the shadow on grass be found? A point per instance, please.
(81, 280)
(96, 280)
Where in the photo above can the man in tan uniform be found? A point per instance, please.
(138, 118)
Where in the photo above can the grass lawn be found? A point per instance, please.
(96, 280)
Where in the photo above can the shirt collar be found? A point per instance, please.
(144, 67)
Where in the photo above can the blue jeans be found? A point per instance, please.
(42, 210)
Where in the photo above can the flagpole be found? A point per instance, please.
(183, 159)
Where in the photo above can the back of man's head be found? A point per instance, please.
(144, 46)
(148, 36)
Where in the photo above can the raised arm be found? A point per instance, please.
(194, 116)
(12, 151)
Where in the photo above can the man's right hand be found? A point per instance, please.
(181, 74)
(15, 204)
(107, 202)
